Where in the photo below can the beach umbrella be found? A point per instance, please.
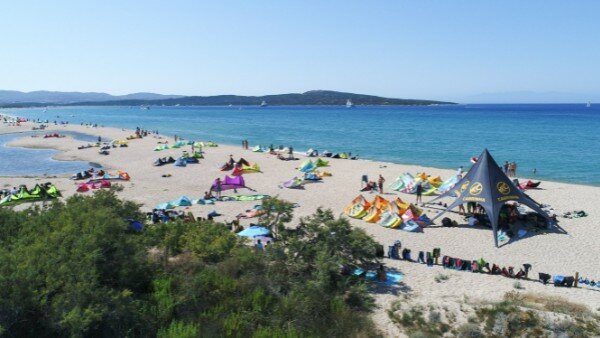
(253, 231)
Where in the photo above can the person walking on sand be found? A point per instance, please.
(419, 192)
(291, 153)
(380, 183)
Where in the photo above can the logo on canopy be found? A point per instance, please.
(503, 188)
(464, 186)
(476, 188)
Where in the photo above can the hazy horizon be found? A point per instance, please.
(462, 52)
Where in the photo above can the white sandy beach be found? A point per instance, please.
(553, 253)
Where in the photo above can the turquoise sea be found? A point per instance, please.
(560, 141)
(17, 161)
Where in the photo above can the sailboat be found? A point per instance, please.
(349, 104)
(263, 104)
(589, 104)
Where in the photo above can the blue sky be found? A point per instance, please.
(450, 50)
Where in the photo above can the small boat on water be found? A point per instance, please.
(144, 107)
(589, 104)
(263, 104)
(349, 104)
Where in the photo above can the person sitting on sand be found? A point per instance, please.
(208, 195)
(370, 186)
(231, 160)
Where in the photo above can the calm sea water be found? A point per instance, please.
(24, 161)
(560, 141)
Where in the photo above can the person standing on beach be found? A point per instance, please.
(218, 187)
(419, 192)
(461, 209)
(515, 169)
(460, 171)
(380, 183)
(505, 167)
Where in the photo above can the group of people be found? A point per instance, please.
(367, 185)
(510, 168)
(143, 132)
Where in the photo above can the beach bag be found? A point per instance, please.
(446, 222)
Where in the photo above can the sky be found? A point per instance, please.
(463, 51)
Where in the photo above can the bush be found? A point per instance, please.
(75, 269)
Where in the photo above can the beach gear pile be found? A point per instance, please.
(310, 172)
(526, 185)
(179, 144)
(395, 214)
(344, 156)
(57, 135)
(101, 175)
(119, 143)
(40, 192)
(164, 160)
(246, 169)
(93, 185)
(241, 167)
(407, 183)
(185, 201)
(448, 262)
(186, 159)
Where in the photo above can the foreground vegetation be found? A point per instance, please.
(517, 315)
(76, 269)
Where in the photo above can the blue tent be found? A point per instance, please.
(182, 201)
(164, 206)
(181, 162)
(253, 231)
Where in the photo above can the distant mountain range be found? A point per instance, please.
(42, 96)
(314, 97)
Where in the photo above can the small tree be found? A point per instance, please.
(276, 214)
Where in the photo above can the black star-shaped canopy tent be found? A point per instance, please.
(487, 185)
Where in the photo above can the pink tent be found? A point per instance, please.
(229, 183)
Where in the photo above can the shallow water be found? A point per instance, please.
(560, 141)
(16, 161)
